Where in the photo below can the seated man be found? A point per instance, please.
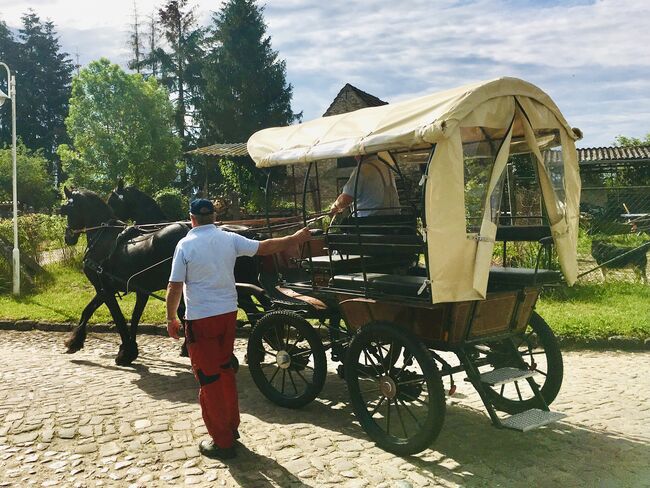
(376, 192)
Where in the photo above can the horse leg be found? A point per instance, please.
(78, 336)
(181, 316)
(140, 302)
(128, 349)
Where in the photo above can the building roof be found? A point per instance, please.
(367, 98)
(236, 149)
(613, 153)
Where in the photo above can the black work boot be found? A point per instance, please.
(211, 450)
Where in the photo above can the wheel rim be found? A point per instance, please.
(286, 360)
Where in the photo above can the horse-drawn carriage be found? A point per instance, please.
(410, 296)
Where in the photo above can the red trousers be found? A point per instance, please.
(210, 342)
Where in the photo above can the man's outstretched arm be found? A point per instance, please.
(272, 246)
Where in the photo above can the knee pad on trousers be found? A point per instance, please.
(205, 379)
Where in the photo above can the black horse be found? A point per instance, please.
(141, 265)
(129, 203)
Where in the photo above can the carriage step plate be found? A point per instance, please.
(531, 419)
(502, 376)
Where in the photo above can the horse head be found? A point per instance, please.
(83, 209)
(119, 202)
(130, 203)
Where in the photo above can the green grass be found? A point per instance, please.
(589, 311)
(61, 297)
(598, 311)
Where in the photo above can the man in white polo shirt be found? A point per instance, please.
(203, 270)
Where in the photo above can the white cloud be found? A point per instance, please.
(590, 56)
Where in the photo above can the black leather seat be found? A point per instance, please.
(523, 276)
(379, 282)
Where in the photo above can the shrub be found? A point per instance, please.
(35, 187)
(36, 233)
(173, 204)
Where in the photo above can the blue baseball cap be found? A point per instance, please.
(201, 207)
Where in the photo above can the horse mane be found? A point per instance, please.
(95, 203)
(147, 209)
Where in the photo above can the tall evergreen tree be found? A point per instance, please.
(246, 88)
(43, 78)
(135, 42)
(9, 55)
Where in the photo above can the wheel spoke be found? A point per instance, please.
(270, 345)
(277, 336)
(412, 382)
(503, 387)
(371, 362)
(388, 417)
(409, 411)
(401, 420)
(264, 351)
(374, 410)
(391, 350)
(521, 399)
(284, 378)
(274, 374)
(300, 354)
(286, 344)
(414, 399)
(295, 388)
(303, 378)
(540, 372)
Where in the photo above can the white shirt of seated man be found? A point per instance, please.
(377, 189)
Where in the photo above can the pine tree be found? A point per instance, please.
(246, 88)
(135, 42)
(9, 55)
(43, 78)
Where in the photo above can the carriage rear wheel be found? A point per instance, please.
(287, 359)
(540, 351)
(395, 388)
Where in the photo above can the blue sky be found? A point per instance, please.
(592, 57)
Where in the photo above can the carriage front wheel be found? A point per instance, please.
(286, 359)
(395, 388)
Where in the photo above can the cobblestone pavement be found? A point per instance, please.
(81, 421)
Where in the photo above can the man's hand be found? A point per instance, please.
(173, 328)
(302, 236)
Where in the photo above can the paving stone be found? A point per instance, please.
(603, 442)
(109, 449)
(141, 424)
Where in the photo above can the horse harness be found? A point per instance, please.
(98, 267)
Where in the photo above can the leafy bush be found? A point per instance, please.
(36, 233)
(35, 187)
(173, 204)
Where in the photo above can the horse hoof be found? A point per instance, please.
(127, 355)
(71, 347)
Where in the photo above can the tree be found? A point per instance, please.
(135, 42)
(8, 54)
(43, 76)
(35, 188)
(246, 88)
(632, 141)
(120, 126)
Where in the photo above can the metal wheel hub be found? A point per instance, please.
(388, 387)
(283, 359)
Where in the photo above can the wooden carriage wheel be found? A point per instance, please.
(395, 388)
(286, 358)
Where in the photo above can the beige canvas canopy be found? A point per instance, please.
(508, 114)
